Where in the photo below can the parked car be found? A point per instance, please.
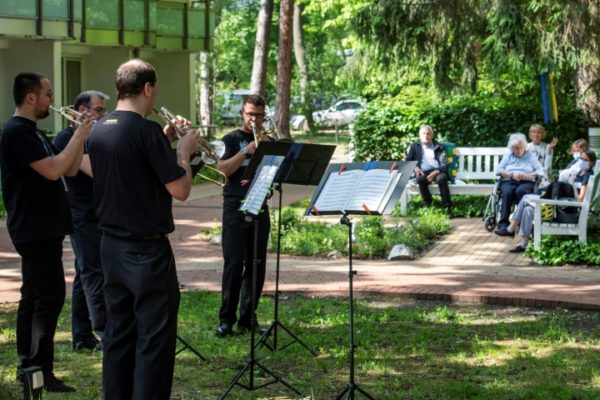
(229, 104)
(344, 112)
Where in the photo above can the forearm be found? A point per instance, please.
(64, 163)
(231, 165)
(181, 187)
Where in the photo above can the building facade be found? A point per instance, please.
(79, 44)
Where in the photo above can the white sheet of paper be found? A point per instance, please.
(255, 198)
(371, 189)
(337, 190)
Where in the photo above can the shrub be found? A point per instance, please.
(388, 125)
(557, 250)
(462, 206)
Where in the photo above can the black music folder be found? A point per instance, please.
(371, 188)
(303, 164)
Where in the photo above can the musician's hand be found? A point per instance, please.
(189, 143)
(169, 130)
(251, 148)
(85, 127)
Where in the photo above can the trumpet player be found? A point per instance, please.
(88, 309)
(238, 234)
(136, 175)
(38, 219)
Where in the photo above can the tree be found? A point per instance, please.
(300, 55)
(261, 48)
(284, 69)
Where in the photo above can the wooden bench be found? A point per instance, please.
(474, 164)
(578, 229)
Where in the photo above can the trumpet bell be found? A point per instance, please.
(217, 150)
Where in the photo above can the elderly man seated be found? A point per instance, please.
(432, 165)
(518, 170)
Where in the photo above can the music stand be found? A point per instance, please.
(381, 202)
(252, 205)
(187, 346)
(303, 164)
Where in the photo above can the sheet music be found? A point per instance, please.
(337, 190)
(258, 192)
(371, 189)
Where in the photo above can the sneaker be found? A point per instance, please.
(504, 232)
(53, 384)
(518, 249)
(224, 329)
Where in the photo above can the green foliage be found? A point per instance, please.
(372, 239)
(388, 126)
(463, 206)
(557, 250)
(2, 208)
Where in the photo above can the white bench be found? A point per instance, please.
(555, 228)
(474, 164)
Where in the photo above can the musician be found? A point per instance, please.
(238, 234)
(136, 176)
(38, 219)
(88, 309)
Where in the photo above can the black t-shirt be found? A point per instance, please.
(132, 161)
(38, 208)
(80, 185)
(234, 142)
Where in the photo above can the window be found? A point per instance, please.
(18, 8)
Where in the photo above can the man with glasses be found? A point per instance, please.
(38, 219)
(238, 234)
(88, 312)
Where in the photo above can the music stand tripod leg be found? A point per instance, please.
(252, 361)
(186, 346)
(272, 329)
(352, 387)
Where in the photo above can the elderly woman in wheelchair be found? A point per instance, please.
(518, 170)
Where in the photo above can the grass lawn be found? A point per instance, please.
(407, 350)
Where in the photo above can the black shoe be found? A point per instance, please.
(53, 384)
(224, 329)
(518, 249)
(88, 344)
(504, 232)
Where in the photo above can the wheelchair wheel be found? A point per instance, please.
(489, 223)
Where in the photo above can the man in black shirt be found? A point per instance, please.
(88, 308)
(136, 175)
(238, 234)
(35, 197)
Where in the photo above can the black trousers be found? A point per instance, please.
(89, 307)
(511, 193)
(442, 181)
(238, 254)
(142, 301)
(42, 299)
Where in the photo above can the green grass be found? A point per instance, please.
(407, 350)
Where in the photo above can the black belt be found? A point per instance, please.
(138, 238)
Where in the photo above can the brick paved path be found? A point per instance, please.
(469, 264)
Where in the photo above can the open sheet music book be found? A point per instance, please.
(261, 184)
(357, 191)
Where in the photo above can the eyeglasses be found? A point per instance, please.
(255, 115)
(99, 110)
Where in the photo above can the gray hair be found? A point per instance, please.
(515, 140)
(85, 98)
(423, 127)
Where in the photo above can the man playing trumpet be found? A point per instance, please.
(238, 234)
(88, 311)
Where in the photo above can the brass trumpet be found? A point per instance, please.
(208, 153)
(69, 113)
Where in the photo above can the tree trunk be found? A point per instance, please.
(588, 83)
(284, 69)
(300, 55)
(206, 93)
(261, 48)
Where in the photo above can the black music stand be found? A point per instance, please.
(303, 164)
(187, 346)
(252, 205)
(387, 201)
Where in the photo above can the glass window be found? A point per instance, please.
(169, 21)
(134, 15)
(55, 9)
(77, 10)
(18, 8)
(102, 13)
(196, 23)
(152, 15)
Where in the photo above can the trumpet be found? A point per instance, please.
(258, 135)
(69, 113)
(207, 153)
